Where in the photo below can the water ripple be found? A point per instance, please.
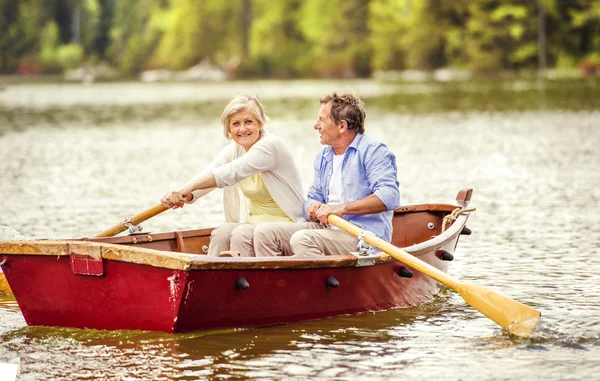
(75, 166)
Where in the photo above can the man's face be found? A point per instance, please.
(329, 131)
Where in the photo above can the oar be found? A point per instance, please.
(4, 287)
(517, 318)
(135, 220)
(7, 234)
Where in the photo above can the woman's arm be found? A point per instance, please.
(261, 157)
(177, 199)
(205, 181)
(200, 184)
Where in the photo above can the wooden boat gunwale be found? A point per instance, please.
(186, 261)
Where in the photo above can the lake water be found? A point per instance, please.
(76, 159)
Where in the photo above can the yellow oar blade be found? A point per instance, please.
(517, 318)
(4, 287)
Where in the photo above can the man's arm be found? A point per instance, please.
(368, 205)
(382, 175)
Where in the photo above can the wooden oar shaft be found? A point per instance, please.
(137, 219)
(394, 251)
(515, 317)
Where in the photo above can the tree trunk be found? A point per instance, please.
(246, 16)
(76, 23)
(541, 38)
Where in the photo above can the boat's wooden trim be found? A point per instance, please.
(441, 240)
(121, 248)
(149, 237)
(97, 250)
(425, 207)
(180, 261)
(165, 259)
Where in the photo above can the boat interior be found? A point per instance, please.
(412, 224)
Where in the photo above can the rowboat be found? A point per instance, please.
(166, 282)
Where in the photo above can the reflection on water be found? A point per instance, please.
(229, 353)
(76, 159)
(135, 104)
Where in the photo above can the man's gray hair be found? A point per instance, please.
(347, 107)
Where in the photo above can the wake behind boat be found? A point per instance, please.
(166, 282)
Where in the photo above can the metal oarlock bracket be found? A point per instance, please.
(363, 247)
(132, 228)
(363, 256)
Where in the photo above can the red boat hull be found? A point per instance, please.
(283, 296)
(132, 296)
(164, 282)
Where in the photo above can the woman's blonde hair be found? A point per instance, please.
(239, 103)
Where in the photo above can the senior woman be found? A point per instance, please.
(257, 172)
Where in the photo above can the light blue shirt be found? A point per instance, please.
(369, 167)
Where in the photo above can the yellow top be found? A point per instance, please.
(261, 207)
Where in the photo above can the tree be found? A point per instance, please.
(194, 30)
(277, 46)
(337, 36)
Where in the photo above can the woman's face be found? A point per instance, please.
(244, 128)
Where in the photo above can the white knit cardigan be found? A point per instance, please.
(270, 157)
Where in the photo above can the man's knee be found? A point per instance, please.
(299, 241)
(269, 240)
(273, 238)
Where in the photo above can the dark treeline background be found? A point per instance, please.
(298, 38)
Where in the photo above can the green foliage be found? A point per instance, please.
(386, 26)
(496, 36)
(564, 61)
(124, 50)
(20, 22)
(90, 24)
(57, 57)
(194, 30)
(69, 56)
(277, 46)
(48, 43)
(337, 47)
(297, 38)
(49, 36)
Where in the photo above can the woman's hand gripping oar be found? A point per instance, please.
(516, 318)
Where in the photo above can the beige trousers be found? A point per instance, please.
(270, 239)
(306, 239)
(232, 236)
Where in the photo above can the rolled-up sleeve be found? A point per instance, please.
(383, 175)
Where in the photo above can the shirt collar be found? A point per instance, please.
(328, 151)
(356, 142)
